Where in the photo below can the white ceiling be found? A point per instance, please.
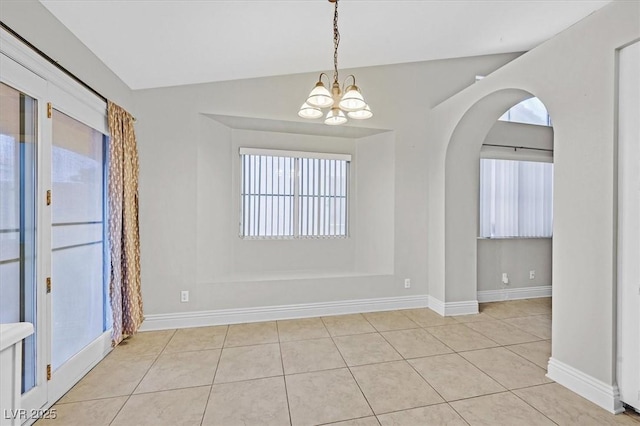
(157, 43)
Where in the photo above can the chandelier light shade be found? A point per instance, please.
(335, 117)
(362, 114)
(307, 111)
(343, 103)
(320, 96)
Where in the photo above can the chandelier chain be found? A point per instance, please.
(336, 42)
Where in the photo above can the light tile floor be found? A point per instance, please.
(406, 367)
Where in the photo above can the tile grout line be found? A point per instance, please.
(530, 405)
(354, 378)
(145, 375)
(206, 405)
(284, 377)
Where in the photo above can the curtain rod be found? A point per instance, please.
(54, 63)
(515, 148)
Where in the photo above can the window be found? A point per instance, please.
(516, 199)
(529, 111)
(288, 194)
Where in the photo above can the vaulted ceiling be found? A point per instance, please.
(157, 43)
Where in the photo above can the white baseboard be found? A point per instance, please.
(596, 391)
(270, 313)
(436, 305)
(447, 309)
(468, 307)
(514, 294)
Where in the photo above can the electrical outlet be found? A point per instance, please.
(505, 278)
(184, 296)
(532, 274)
(407, 283)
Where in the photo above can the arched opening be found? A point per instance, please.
(477, 258)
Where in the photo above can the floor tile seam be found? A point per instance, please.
(354, 378)
(528, 315)
(505, 344)
(348, 420)
(91, 399)
(396, 329)
(192, 350)
(531, 405)
(155, 361)
(250, 344)
(284, 380)
(392, 347)
(306, 339)
(426, 381)
(458, 413)
(505, 389)
(411, 358)
(248, 380)
(411, 408)
(495, 379)
(527, 360)
(528, 332)
(171, 389)
(508, 347)
(439, 340)
(120, 410)
(224, 339)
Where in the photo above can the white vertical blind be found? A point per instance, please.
(292, 194)
(516, 198)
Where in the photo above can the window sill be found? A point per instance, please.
(514, 238)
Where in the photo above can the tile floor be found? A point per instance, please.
(407, 367)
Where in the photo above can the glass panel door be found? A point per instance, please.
(18, 189)
(78, 181)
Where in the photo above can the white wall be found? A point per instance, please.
(574, 75)
(188, 209)
(516, 257)
(629, 225)
(38, 26)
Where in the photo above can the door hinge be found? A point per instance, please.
(48, 284)
(49, 110)
(48, 371)
(48, 197)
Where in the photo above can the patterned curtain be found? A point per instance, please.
(124, 237)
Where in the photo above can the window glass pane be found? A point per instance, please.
(78, 302)
(323, 197)
(529, 111)
(267, 196)
(516, 199)
(18, 130)
(293, 197)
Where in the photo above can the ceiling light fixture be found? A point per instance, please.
(352, 103)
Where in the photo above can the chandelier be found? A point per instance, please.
(350, 104)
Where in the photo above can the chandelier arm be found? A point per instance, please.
(336, 42)
(344, 83)
(320, 78)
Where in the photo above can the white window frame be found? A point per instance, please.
(297, 156)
